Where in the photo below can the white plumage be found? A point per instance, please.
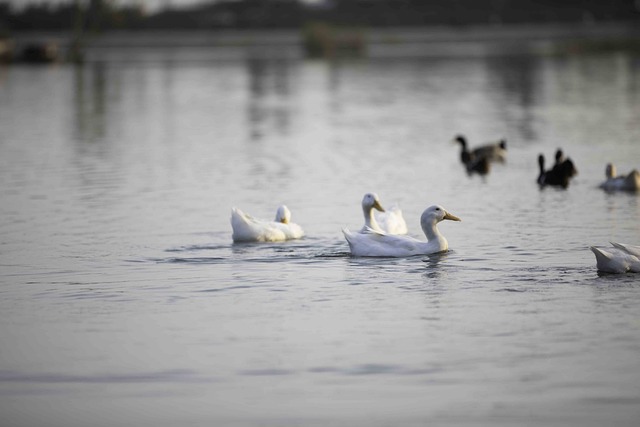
(621, 258)
(372, 243)
(388, 221)
(615, 182)
(249, 229)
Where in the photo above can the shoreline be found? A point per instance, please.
(355, 41)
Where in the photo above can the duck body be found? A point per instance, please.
(494, 152)
(619, 259)
(473, 164)
(615, 182)
(249, 229)
(558, 176)
(384, 221)
(372, 243)
(392, 221)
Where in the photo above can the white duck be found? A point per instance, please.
(615, 182)
(249, 229)
(390, 222)
(378, 244)
(619, 259)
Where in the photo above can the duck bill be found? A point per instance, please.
(377, 205)
(451, 217)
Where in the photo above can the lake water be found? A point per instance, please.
(124, 301)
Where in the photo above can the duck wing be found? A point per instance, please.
(249, 229)
(492, 152)
(391, 221)
(376, 244)
(630, 249)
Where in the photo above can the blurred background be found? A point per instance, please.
(74, 29)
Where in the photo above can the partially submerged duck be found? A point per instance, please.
(559, 175)
(615, 182)
(378, 244)
(621, 258)
(249, 229)
(388, 221)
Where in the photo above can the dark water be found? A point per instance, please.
(124, 301)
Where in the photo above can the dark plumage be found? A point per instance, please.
(492, 152)
(560, 174)
(479, 159)
(479, 165)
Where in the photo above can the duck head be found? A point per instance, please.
(460, 139)
(283, 214)
(371, 201)
(432, 216)
(610, 171)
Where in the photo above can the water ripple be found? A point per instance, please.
(266, 372)
(197, 248)
(192, 260)
(169, 376)
(228, 288)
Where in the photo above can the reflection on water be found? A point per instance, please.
(123, 294)
(90, 102)
(518, 78)
(270, 97)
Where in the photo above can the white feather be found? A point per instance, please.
(619, 259)
(615, 182)
(374, 243)
(388, 221)
(249, 229)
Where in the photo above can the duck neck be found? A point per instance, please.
(369, 218)
(463, 145)
(541, 163)
(430, 230)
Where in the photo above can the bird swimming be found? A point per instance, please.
(387, 221)
(559, 175)
(249, 229)
(621, 258)
(615, 182)
(373, 243)
(496, 152)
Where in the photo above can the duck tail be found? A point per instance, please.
(602, 256)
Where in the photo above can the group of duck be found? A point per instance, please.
(384, 233)
(479, 160)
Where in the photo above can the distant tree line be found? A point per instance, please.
(104, 15)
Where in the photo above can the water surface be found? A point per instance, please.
(124, 301)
